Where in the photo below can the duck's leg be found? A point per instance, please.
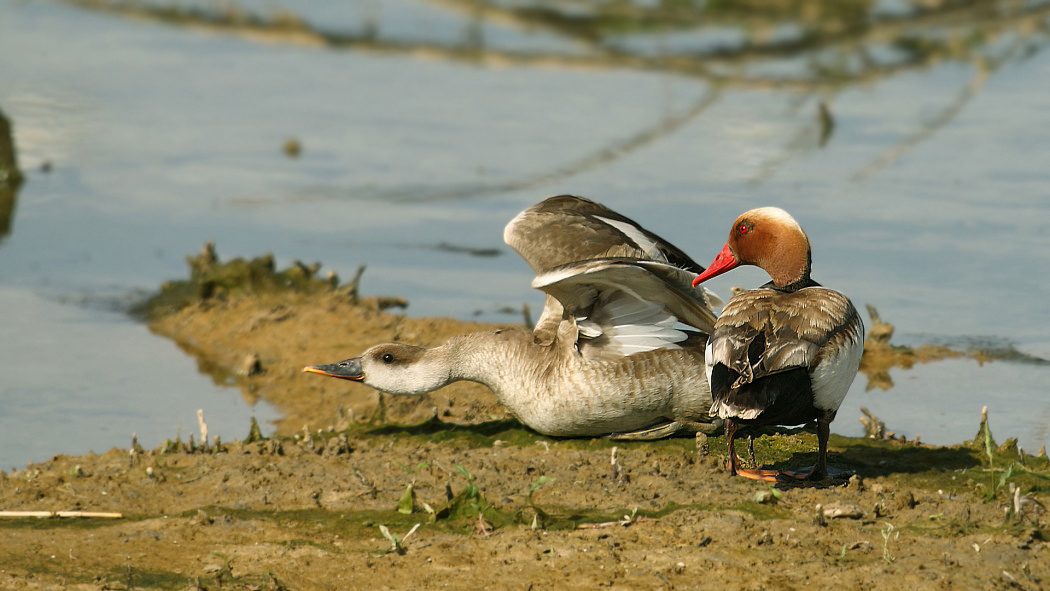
(669, 429)
(819, 471)
(752, 473)
(730, 448)
(751, 461)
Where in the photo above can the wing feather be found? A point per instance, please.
(566, 228)
(765, 332)
(634, 305)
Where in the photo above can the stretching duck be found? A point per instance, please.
(618, 349)
(783, 354)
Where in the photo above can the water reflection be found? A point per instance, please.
(819, 45)
(812, 50)
(881, 356)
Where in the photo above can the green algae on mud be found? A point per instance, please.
(971, 470)
(932, 467)
(212, 279)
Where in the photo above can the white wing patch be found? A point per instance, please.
(588, 329)
(651, 248)
(626, 306)
(636, 326)
(624, 309)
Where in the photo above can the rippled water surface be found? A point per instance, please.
(430, 123)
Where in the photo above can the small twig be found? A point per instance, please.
(619, 522)
(203, 429)
(989, 443)
(874, 427)
(617, 468)
(351, 288)
(702, 448)
(48, 514)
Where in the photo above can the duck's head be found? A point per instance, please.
(769, 238)
(393, 368)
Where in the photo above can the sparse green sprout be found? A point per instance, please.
(471, 490)
(887, 533)
(254, 432)
(466, 503)
(396, 544)
(629, 519)
(407, 503)
(536, 485)
(413, 469)
(1006, 476)
(989, 443)
(770, 496)
(1010, 471)
(539, 516)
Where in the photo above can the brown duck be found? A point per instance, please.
(618, 349)
(783, 354)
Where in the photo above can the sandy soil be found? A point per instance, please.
(500, 507)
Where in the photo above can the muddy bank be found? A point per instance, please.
(498, 505)
(505, 509)
(249, 324)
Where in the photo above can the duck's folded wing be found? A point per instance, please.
(763, 332)
(623, 306)
(566, 228)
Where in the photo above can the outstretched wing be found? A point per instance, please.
(623, 306)
(566, 229)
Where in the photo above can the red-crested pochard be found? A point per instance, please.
(618, 349)
(783, 354)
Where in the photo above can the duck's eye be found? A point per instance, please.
(742, 228)
(387, 358)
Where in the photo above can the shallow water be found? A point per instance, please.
(928, 199)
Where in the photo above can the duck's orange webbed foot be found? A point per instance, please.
(762, 475)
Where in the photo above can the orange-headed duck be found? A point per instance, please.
(785, 353)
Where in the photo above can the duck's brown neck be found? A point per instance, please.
(786, 257)
(790, 266)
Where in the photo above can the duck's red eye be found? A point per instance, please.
(742, 228)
